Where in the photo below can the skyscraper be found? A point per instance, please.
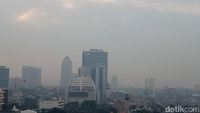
(4, 81)
(4, 77)
(66, 72)
(149, 87)
(31, 76)
(2, 99)
(95, 64)
(95, 56)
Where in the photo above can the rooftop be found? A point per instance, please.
(82, 81)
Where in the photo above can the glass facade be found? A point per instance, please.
(93, 57)
(4, 77)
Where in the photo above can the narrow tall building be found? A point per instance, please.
(149, 87)
(66, 72)
(4, 77)
(31, 76)
(114, 83)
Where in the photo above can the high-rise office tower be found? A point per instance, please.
(93, 57)
(66, 72)
(31, 76)
(114, 82)
(149, 87)
(4, 81)
(95, 64)
(3, 98)
(4, 77)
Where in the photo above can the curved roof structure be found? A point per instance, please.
(83, 81)
(80, 89)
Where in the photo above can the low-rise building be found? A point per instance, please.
(49, 104)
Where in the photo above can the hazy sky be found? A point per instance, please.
(157, 38)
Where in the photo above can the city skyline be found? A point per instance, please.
(142, 37)
(99, 56)
(76, 71)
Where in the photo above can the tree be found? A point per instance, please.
(30, 103)
(56, 110)
(88, 106)
(106, 108)
(72, 107)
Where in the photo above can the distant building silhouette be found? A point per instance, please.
(31, 76)
(15, 83)
(114, 83)
(66, 72)
(149, 87)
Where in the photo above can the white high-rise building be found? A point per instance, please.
(66, 72)
(31, 76)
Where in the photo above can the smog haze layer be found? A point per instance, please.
(157, 38)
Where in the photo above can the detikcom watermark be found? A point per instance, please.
(181, 109)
